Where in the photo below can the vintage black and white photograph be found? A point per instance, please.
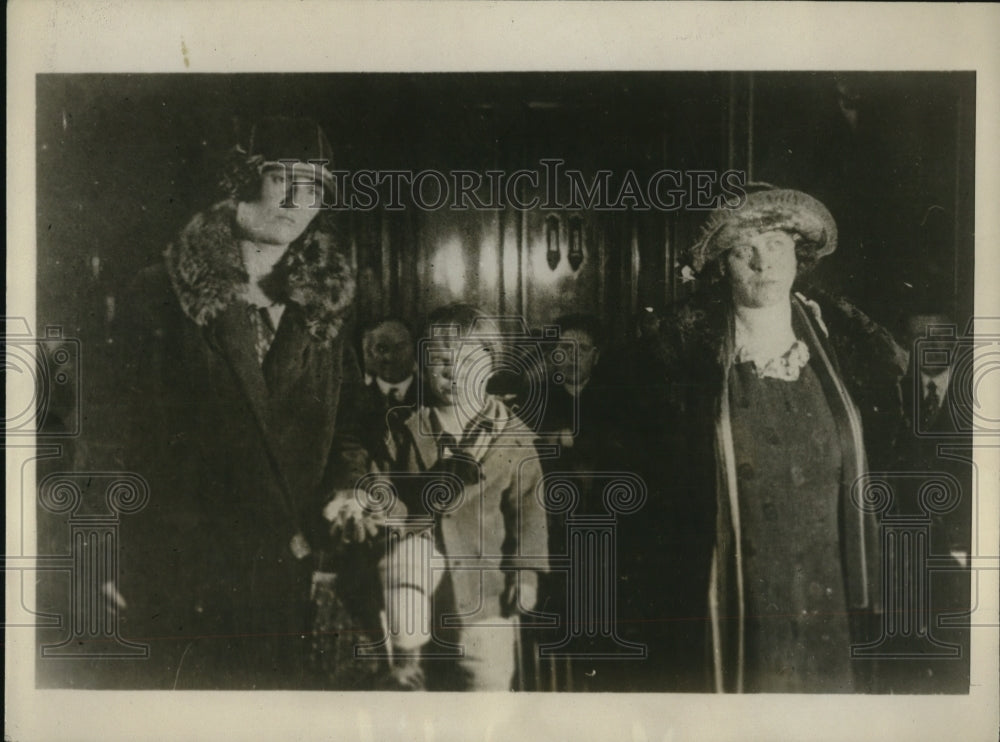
(532, 382)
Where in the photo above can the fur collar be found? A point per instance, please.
(696, 336)
(207, 273)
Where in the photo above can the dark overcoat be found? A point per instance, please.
(684, 472)
(240, 456)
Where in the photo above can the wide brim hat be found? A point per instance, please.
(766, 208)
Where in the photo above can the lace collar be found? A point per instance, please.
(785, 367)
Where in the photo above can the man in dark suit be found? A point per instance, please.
(933, 339)
(387, 400)
(583, 412)
(935, 444)
(586, 415)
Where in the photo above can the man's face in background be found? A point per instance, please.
(389, 352)
(578, 358)
(931, 354)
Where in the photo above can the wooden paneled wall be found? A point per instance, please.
(413, 260)
(125, 160)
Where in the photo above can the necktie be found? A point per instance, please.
(447, 442)
(265, 330)
(456, 460)
(397, 415)
(930, 406)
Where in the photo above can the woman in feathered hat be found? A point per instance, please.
(776, 397)
(237, 358)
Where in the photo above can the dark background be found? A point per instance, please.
(125, 160)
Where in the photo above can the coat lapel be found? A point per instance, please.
(424, 443)
(234, 337)
(286, 360)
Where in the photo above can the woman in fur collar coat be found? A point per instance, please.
(776, 402)
(238, 363)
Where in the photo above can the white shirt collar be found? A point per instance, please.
(401, 387)
(940, 380)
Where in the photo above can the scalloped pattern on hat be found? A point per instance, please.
(764, 210)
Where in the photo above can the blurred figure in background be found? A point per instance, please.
(935, 441)
(578, 405)
(927, 389)
(587, 415)
(390, 359)
(365, 346)
(386, 402)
